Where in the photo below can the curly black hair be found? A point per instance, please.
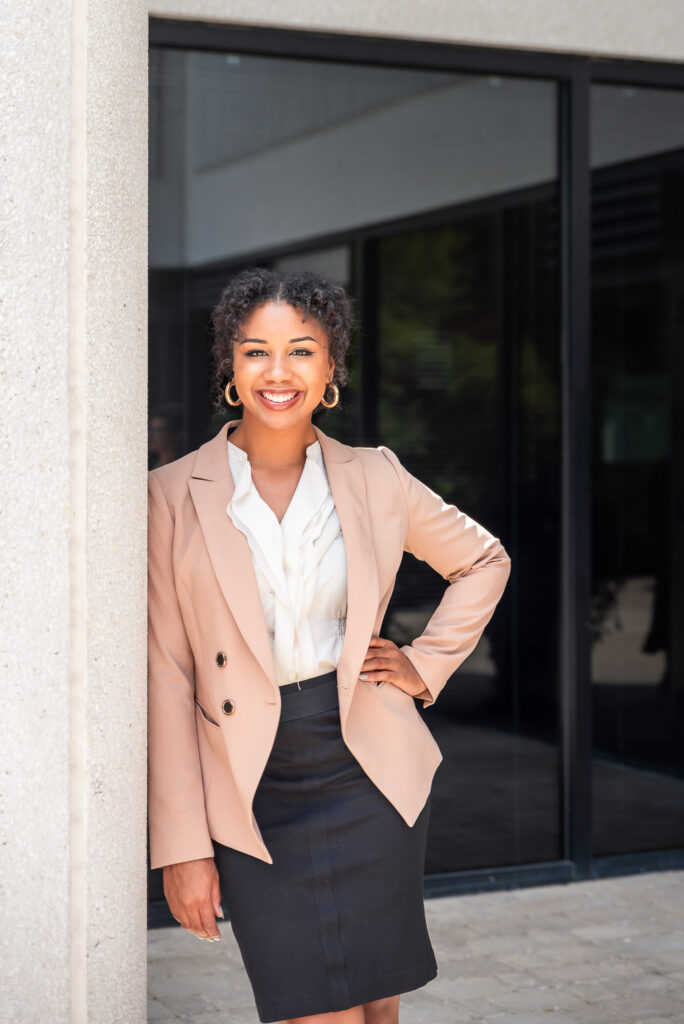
(312, 294)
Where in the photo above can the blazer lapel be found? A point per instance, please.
(348, 487)
(211, 488)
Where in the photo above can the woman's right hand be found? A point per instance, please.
(193, 894)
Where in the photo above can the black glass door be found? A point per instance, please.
(432, 196)
(467, 394)
(637, 668)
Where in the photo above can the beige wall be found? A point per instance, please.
(73, 374)
(620, 28)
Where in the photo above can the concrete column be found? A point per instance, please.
(73, 392)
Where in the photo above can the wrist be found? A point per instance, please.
(418, 687)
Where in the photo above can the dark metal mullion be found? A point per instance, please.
(649, 74)
(369, 342)
(393, 51)
(575, 567)
(509, 286)
(357, 48)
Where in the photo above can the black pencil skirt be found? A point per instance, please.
(338, 919)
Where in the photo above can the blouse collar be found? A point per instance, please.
(308, 526)
(311, 495)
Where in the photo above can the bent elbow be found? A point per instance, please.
(503, 558)
(495, 559)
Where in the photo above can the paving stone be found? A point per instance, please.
(595, 1015)
(534, 1018)
(677, 976)
(604, 951)
(654, 983)
(431, 1011)
(655, 1020)
(601, 932)
(517, 979)
(221, 1017)
(474, 967)
(543, 997)
(587, 971)
(597, 993)
(189, 1006)
(156, 1011)
(636, 1006)
(462, 989)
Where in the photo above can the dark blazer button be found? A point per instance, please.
(228, 706)
(221, 659)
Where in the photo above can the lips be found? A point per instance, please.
(279, 399)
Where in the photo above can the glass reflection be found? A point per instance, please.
(468, 397)
(432, 197)
(637, 148)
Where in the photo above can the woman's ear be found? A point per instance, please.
(331, 369)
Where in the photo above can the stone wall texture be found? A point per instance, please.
(73, 379)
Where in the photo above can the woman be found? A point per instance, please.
(289, 768)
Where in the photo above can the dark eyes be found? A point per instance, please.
(296, 351)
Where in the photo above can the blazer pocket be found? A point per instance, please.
(205, 715)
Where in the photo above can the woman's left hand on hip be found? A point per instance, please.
(384, 662)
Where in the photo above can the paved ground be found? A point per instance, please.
(596, 952)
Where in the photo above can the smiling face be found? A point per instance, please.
(282, 366)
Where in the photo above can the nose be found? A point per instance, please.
(278, 369)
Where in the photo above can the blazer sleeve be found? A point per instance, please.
(176, 811)
(472, 560)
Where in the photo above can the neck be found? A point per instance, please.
(272, 449)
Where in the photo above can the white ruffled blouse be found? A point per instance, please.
(300, 566)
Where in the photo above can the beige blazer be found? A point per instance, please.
(213, 701)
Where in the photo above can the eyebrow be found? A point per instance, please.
(262, 341)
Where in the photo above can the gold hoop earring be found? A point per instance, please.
(226, 391)
(336, 391)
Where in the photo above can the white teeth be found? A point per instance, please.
(278, 397)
